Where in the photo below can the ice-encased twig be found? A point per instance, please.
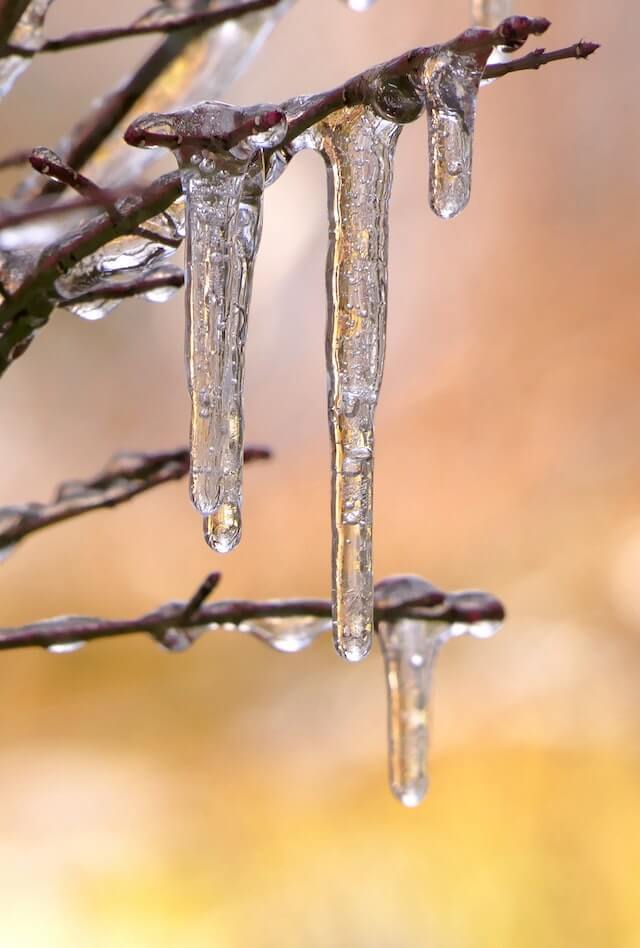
(358, 146)
(27, 35)
(410, 648)
(451, 80)
(223, 186)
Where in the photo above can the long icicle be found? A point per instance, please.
(223, 188)
(358, 147)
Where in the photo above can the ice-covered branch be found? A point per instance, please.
(199, 57)
(29, 307)
(124, 477)
(288, 625)
(363, 88)
(150, 23)
(540, 57)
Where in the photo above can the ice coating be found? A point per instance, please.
(358, 147)
(451, 81)
(27, 34)
(131, 256)
(223, 183)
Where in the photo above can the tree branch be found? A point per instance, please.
(203, 20)
(177, 624)
(539, 57)
(30, 306)
(124, 477)
(10, 13)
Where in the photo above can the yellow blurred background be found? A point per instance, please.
(232, 797)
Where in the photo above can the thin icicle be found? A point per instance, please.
(410, 648)
(358, 147)
(28, 35)
(450, 86)
(223, 188)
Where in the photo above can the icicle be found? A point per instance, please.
(28, 35)
(358, 147)
(223, 185)
(290, 634)
(410, 648)
(450, 86)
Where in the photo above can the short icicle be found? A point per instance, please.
(358, 147)
(223, 188)
(450, 83)
(410, 648)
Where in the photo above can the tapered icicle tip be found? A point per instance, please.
(411, 796)
(223, 528)
(353, 645)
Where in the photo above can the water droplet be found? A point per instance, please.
(287, 634)
(64, 648)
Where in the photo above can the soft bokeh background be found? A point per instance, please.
(236, 798)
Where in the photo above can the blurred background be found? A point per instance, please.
(232, 797)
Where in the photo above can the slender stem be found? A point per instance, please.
(195, 614)
(124, 477)
(204, 19)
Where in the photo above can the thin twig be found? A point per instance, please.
(15, 158)
(164, 624)
(165, 277)
(89, 134)
(30, 306)
(539, 57)
(204, 20)
(124, 477)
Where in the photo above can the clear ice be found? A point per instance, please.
(410, 648)
(223, 185)
(27, 34)
(450, 82)
(358, 147)
(287, 633)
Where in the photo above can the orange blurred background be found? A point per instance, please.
(234, 797)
